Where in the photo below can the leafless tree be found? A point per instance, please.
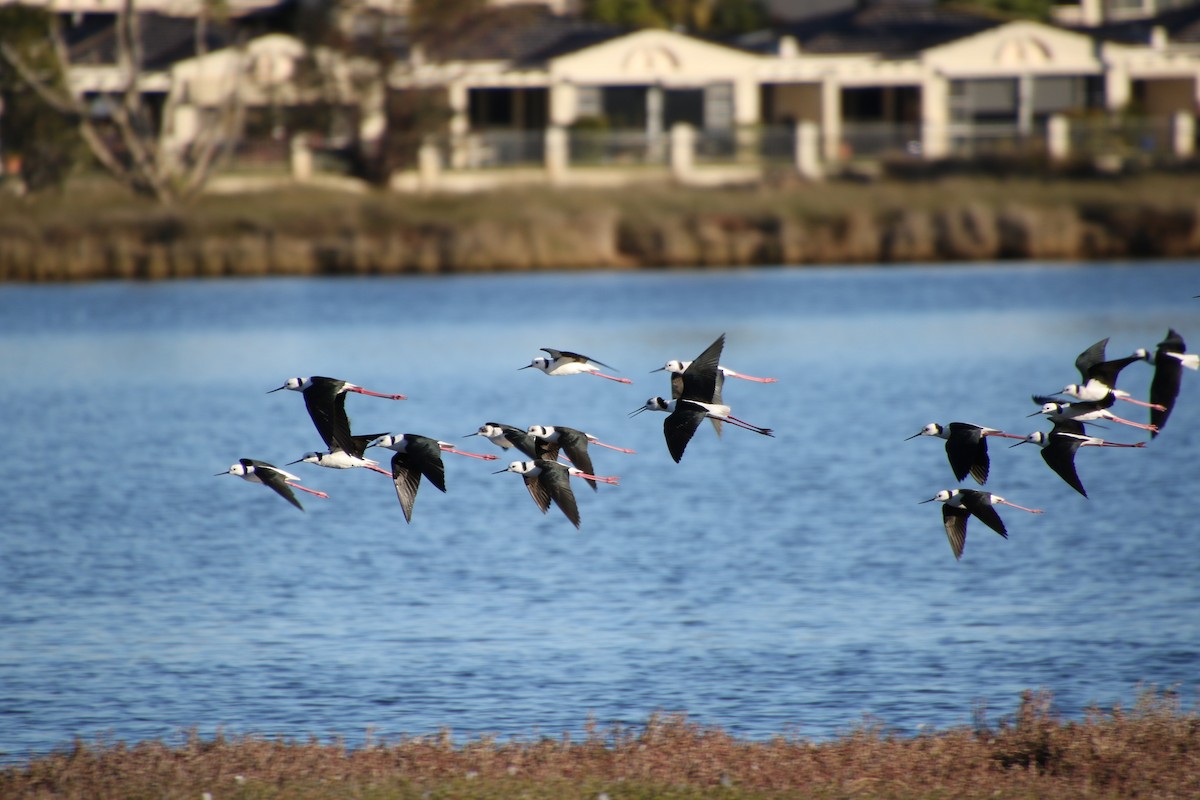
(137, 147)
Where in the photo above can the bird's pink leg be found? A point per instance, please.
(610, 377)
(306, 489)
(361, 390)
(731, 374)
(1133, 424)
(1004, 435)
(484, 456)
(599, 443)
(377, 469)
(610, 479)
(741, 423)
(1114, 444)
(1142, 403)
(1014, 505)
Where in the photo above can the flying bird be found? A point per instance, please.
(416, 456)
(271, 476)
(966, 447)
(1084, 411)
(507, 437)
(549, 481)
(1060, 445)
(1098, 377)
(564, 362)
(959, 504)
(696, 402)
(1169, 360)
(574, 443)
(325, 399)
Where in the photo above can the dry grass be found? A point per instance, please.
(1149, 751)
(94, 204)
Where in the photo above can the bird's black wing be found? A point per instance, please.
(680, 425)
(274, 478)
(1106, 372)
(360, 442)
(520, 439)
(1059, 455)
(575, 444)
(700, 378)
(966, 448)
(556, 483)
(426, 455)
(979, 504)
(1042, 399)
(954, 518)
(1089, 358)
(567, 354)
(327, 407)
(407, 478)
(537, 491)
(1168, 374)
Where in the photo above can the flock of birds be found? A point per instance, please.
(696, 395)
(696, 389)
(1091, 399)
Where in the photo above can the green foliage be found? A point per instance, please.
(698, 16)
(1025, 9)
(42, 141)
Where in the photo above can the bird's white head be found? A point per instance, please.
(674, 365)
(942, 497)
(1049, 408)
(541, 431)
(519, 467)
(1037, 437)
(294, 384)
(1072, 390)
(239, 469)
(932, 429)
(541, 362)
(388, 440)
(655, 403)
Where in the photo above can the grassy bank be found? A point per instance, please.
(1149, 751)
(93, 231)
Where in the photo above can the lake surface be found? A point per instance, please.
(791, 585)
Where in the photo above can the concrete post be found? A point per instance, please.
(808, 151)
(302, 158)
(557, 155)
(935, 117)
(1183, 134)
(1058, 138)
(429, 166)
(683, 156)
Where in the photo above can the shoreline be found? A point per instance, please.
(94, 234)
(1151, 749)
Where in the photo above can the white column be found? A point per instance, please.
(1183, 134)
(808, 151)
(1058, 137)
(935, 116)
(683, 142)
(429, 166)
(831, 118)
(557, 154)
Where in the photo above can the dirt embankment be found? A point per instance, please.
(615, 238)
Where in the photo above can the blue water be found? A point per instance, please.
(791, 585)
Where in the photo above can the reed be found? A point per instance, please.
(1151, 750)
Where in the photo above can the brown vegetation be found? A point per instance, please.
(95, 233)
(1150, 751)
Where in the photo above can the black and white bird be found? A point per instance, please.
(1098, 377)
(1084, 411)
(325, 399)
(1060, 445)
(959, 504)
(507, 437)
(1169, 359)
(415, 456)
(564, 362)
(280, 481)
(572, 442)
(549, 481)
(337, 458)
(966, 447)
(695, 403)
